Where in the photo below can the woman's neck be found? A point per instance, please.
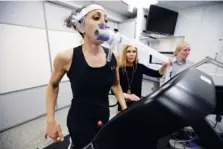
(129, 64)
(179, 59)
(91, 48)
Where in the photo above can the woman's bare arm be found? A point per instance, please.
(119, 95)
(118, 90)
(60, 64)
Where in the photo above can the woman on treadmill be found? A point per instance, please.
(131, 74)
(91, 78)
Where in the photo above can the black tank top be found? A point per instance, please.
(90, 86)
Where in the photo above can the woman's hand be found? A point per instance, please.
(164, 66)
(54, 131)
(131, 97)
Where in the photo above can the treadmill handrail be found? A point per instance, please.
(208, 60)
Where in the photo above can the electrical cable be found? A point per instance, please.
(220, 53)
(218, 58)
(213, 123)
(183, 142)
(174, 143)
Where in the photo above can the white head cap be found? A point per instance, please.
(78, 16)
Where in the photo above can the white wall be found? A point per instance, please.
(128, 28)
(24, 53)
(166, 44)
(202, 28)
(113, 25)
(31, 34)
(55, 16)
(24, 62)
(22, 13)
(112, 16)
(140, 21)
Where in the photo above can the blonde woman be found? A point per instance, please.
(179, 60)
(131, 73)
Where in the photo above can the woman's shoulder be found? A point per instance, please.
(139, 65)
(65, 56)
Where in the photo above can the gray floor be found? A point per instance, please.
(31, 135)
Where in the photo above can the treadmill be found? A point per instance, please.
(183, 101)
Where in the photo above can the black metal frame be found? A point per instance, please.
(208, 136)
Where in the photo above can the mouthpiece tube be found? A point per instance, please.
(113, 39)
(102, 35)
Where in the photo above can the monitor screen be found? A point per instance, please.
(161, 20)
